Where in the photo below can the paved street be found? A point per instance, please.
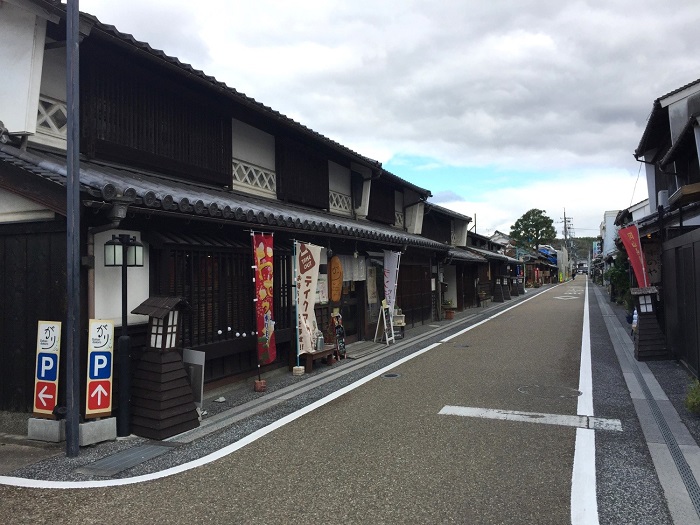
(478, 424)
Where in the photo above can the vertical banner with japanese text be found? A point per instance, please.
(630, 238)
(391, 277)
(307, 264)
(263, 259)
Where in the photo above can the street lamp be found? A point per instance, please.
(125, 251)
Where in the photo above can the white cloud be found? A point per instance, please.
(525, 86)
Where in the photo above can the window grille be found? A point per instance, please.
(219, 287)
(340, 203)
(398, 220)
(645, 304)
(52, 118)
(254, 177)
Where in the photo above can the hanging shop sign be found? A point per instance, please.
(630, 238)
(263, 265)
(336, 274)
(306, 259)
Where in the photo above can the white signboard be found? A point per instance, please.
(98, 395)
(48, 349)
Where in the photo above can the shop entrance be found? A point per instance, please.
(352, 310)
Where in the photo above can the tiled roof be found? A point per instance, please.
(150, 191)
(465, 256)
(448, 212)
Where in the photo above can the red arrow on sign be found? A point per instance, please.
(45, 395)
(99, 396)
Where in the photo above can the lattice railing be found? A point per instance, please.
(254, 177)
(52, 118)
(398, 219)
(340, 202)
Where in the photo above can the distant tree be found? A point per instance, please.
(533, 229)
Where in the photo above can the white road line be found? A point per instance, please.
(34, 483)
(565, 420)
(584, 505)
(233, 447)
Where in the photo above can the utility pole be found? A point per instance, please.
(568, 236)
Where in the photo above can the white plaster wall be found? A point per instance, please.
(21, 56)
(53, 77)
(610, 232)
(14, 208)
(108, 283)
(253, 146)
(461, 228)
(398, 201)
(414, 218)
(339, 178)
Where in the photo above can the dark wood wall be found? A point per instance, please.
(437, 227)
(381, 203)
(414, 295)
(32, 287)
(302, 174)
(139, 114)
(681, 298)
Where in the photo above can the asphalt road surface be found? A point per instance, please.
(459, 433)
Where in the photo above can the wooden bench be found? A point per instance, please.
(310, 357)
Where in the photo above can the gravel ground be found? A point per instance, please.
(628, 487)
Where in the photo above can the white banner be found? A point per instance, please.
(306, 260)
(391, 277)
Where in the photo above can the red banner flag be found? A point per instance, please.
(630, 238)
(262, 257)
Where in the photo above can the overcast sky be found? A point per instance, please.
(495, 106)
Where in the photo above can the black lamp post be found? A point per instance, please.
(124, 250)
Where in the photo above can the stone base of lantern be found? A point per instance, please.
(162, 403)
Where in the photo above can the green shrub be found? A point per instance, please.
(692, 399)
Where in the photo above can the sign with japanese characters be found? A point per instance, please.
(306, 261)
(392, 260)
(98, 395)
(48, 350)
(630, 238)
(263, 265)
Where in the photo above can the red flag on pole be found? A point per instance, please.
(262, 256)
(630, 238)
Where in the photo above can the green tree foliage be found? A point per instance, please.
(619, 278)
(533, 229)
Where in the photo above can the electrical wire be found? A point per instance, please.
(635, 183)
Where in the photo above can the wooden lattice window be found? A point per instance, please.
(52, 118)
